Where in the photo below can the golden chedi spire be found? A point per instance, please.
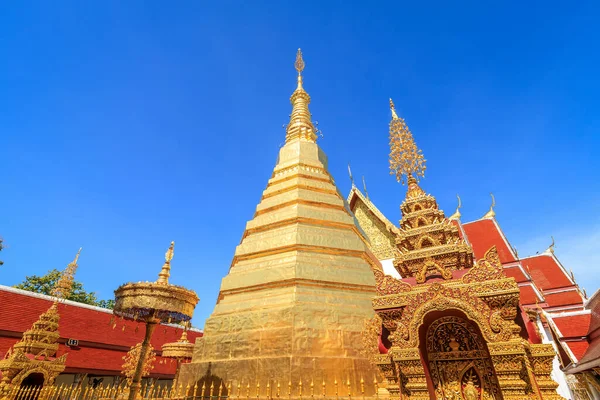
(300, 126)
(165, 272)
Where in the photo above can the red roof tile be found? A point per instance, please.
(576, 325)
(578, 348)
(546, 272)
(565, 298)
(517, 273)
(528, 295)
(101, 346)
(483, 234)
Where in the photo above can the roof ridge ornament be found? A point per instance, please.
(491, 213)
(351, 177)
(457, 214)
(550, 248)
(365, 187)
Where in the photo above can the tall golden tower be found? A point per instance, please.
(299, 290)
(451, 328)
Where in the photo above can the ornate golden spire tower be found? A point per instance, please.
(36, 350)
(300, 284)
(449, 327)
(428, 244)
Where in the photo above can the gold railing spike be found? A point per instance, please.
(221, 386)
(239, 389)
(269, 389)
(290, 390)
(180, 391)
(362, 387)
(229, 390)
(212, 389)
(349, 388)
(312, 389)
(335, 382)
(324, 388)
(187, 390)
(376, 384)
(257, 389)
(195, 390)
(248, 390)
(300, 388)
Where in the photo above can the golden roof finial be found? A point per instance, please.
(491, 213)
(393, 108)
(365, 187)
(456, 214)
(407, 163)
(184, 338)
(163, 276)
(300, 126)
(63, 287)
(551, 247)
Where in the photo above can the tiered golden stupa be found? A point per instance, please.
(450, 329)
(299, 290)
(34, 355)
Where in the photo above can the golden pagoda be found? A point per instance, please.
(299, 289)
(449, 329)
(32, 360)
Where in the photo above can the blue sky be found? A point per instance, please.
(125, 125)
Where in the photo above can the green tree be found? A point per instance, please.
(44, 285)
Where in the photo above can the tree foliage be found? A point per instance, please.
(44, 285)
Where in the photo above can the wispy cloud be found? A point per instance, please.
(578, 250)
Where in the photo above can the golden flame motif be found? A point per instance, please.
(406, 159)
(63, 287)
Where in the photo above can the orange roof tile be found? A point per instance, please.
(572, 325)
(578, 348)
(569, 297)
(485, 233)
(546, 272)
(528, 295)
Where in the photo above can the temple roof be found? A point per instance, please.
(485, 233)
(101, 347)
(356, 195)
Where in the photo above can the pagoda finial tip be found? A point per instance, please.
(299, 64)
(165, 272)
(393, 108)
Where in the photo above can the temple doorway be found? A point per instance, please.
(34, 381)
(458, 361)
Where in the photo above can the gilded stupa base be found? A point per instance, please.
(282, 370)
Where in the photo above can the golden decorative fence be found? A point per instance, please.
(221, 391)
